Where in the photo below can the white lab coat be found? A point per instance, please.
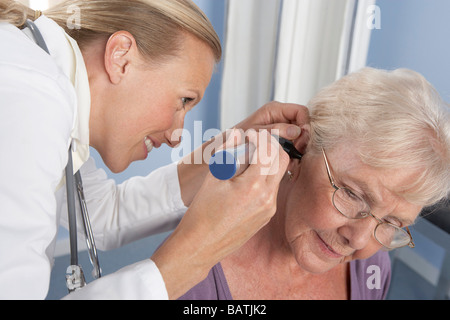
(44, 106)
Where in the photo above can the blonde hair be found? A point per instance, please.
(15, 13)
(395, 119)
(157, 25)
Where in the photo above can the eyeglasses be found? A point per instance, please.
(352, 206)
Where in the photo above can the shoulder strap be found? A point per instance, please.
(74, 274)
(38, 38)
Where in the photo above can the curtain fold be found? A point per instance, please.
(249, 59)
(287, 50)
(308, 52)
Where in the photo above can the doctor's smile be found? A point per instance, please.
(148, 144)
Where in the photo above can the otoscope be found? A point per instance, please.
(228, 163)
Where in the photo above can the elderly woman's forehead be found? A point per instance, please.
(344, 154)
(345, 160)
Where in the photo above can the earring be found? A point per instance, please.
(290, 174)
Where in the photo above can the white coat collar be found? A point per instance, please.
(67, 55)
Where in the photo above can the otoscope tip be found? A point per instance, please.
(289, 147)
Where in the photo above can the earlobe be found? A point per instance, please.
(301, 144)
(119, 53)
(293, 168)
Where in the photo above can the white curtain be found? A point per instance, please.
(286, 50)
(250, 50)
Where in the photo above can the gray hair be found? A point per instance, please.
(396, 119)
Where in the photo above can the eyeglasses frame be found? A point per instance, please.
(366, 214)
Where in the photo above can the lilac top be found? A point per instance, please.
(369, 280)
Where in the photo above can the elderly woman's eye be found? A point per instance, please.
(393, 221)
(351, 195)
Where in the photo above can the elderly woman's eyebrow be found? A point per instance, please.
(373, 200)
(370, 196)
(404, 222)
(407, 222)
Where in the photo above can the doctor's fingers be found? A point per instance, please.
(286, 117)
(234, 138)
(269, 161)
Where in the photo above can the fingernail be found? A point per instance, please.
(293, 132)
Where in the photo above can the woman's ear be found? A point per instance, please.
(301, 143)
(120, 52)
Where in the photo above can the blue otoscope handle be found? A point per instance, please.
(228, 163)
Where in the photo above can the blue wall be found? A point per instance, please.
(414, 34)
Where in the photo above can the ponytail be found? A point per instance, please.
(16, 13)
(157, 25)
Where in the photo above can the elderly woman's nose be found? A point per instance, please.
(358, 233)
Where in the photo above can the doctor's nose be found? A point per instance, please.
(173, 135)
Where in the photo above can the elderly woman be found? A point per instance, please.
(378, 152)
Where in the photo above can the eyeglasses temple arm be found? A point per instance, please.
(411, 244)
(328, 170)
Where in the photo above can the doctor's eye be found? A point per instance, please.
(186, 101)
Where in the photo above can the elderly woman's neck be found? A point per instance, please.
(268, 244)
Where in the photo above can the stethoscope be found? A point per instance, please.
(74, 274)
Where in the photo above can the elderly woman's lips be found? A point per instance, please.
(327, 249)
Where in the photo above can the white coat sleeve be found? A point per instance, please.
(138, 208)
(140, 281)
(124, 213)
(36, 117)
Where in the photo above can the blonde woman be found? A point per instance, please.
(379, 151)
(120, 76)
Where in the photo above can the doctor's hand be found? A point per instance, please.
(223, 216)
(287, 118)
(282, 119)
